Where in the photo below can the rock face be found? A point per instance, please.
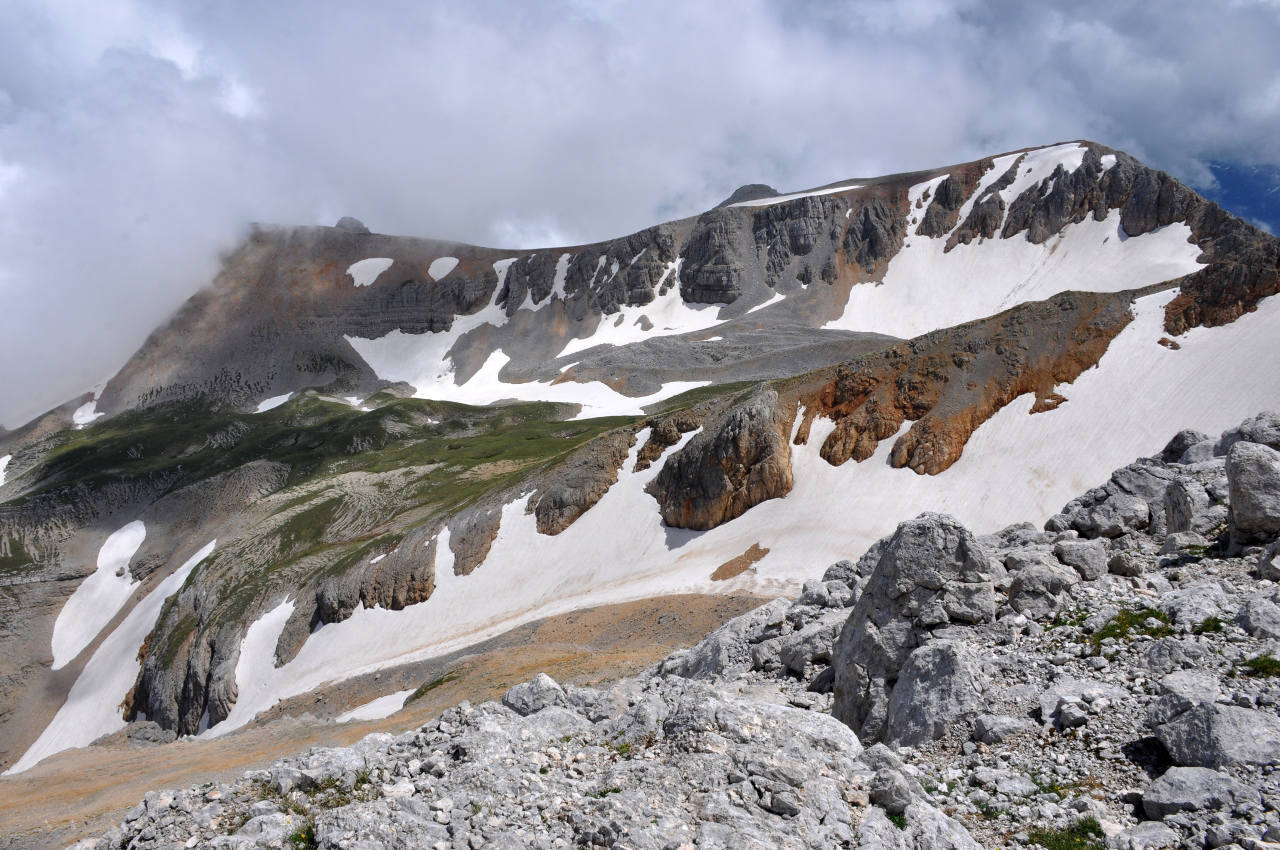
(931, 573)
(732, 464)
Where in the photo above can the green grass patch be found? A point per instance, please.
(604, 792)
(1127, 624)
(1211, 625)
(427, 688)
(1261, 665)
(1085, 834)
(900, 821)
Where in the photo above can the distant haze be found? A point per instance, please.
(138, 139)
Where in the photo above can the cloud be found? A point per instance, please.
(137, 139)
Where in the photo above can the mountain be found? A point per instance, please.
(353, 452)
(1072, 687)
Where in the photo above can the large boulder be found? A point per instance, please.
(1087, 557)
(1211, 735)
(1131, 500)
(938, 687)
(1263, 429)
(1038, 592)
(1187, 789)
(931, 573)
(1253, 475)
(728, 648)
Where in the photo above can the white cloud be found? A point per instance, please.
(148, 134)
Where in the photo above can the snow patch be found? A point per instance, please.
(99, 597)
(273, 402)
(773, 299)
(376, 558)
(376, 709)
(926, 287)
(1107, 160)
(365, 272)
(441, 267)
(4, 462)
(1039, 164)
(85, 413)
(92, 708)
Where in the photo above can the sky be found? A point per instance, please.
(138, 139)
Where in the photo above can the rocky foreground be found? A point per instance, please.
(1108, 681)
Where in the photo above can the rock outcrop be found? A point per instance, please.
(931, 573)
(950, 382)
(735, 462)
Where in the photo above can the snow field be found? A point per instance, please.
(92, 707)
(4, 463)
(365, 272)
(272, 403)
(255, 670)
(926, 288)
(666, 315)
(85, 413)
(99, 597)
(376, 709)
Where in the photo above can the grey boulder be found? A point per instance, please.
(937, 688)
(1087, 557)
(533, 696)
(1212, 735)
(1186, 789)
(1253, 476)
(930, 571)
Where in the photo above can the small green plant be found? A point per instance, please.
(304, 837)
(1126, 624)
(900, 821)
(1053, 786)
(1211, 625)
(1261, 665)
(604, 792)
(622, 750)
(544, 769)
(1085, 834)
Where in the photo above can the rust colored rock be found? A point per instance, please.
(950, 382)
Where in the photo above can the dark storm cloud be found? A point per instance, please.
(137, 139)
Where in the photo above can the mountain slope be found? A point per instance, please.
(307, 413)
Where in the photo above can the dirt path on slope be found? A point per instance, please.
(84, 792)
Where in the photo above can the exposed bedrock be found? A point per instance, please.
(949, 382)
(738, 460)
(581, 482)
(944, 207)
